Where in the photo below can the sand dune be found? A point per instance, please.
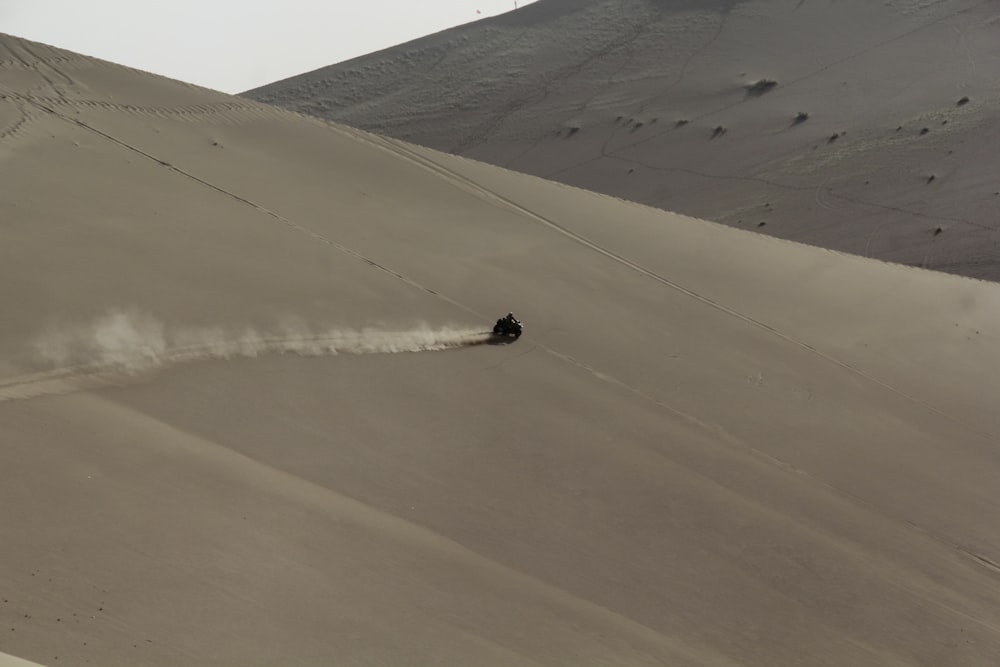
(711, 447)
(865, 127)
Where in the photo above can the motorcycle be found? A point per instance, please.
(508, 326)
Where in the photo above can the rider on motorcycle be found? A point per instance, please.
(508, 324)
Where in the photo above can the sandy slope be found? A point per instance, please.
(654, 102)
(11, 661)
(710, 448)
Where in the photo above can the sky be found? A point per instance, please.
(235, 45)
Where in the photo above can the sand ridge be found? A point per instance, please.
(854, 126)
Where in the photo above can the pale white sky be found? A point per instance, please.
(235, 45)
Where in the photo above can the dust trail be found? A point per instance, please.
(125, 346)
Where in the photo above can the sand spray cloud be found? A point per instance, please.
(126, 343)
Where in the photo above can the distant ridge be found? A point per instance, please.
(853, 125)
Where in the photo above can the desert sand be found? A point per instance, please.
(864, 127)
(11, 661)
(249, 416)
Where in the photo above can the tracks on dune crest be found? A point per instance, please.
(17, 127)
(192, 112)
